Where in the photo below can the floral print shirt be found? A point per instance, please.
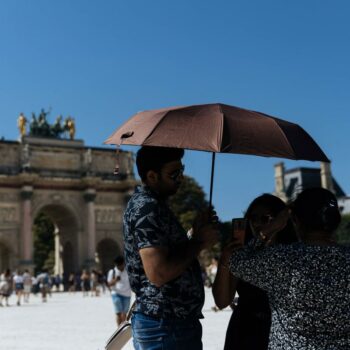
(309, 292)
(148, 222)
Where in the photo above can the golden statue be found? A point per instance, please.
(22, 123)
(70, 127)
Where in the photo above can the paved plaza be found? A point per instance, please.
(73, 322)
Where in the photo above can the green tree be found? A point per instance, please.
(44, 242)
(50, 262)
(188, 201)
(343, 231)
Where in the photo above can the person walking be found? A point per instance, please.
(5, 286)
(18, 286)
(27, 284)
(57, 282)
(85, 283)
(212, 269)
(43, 281)
(307, 282)
(118, 282)
(95, 285)
(161, 259)
(71, 283)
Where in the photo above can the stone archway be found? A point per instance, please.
(107, 250)
(65, 235)
(71, 183)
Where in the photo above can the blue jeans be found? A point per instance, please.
(151, 333)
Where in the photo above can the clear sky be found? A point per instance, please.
(102, 61)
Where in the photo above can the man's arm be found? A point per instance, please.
(162, 264)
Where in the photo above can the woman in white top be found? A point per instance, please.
(18, 286)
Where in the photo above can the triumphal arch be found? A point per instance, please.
(74, 185)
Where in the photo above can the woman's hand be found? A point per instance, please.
(269, 230)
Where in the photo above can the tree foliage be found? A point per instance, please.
(44, 242)
(343, 231)
(188, 201)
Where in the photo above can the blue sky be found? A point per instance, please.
(102, 61)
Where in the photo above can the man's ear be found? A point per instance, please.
(151, 177)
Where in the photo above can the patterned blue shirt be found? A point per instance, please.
(148, 222)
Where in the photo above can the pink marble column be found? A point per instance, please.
(26, 228)
(89, 196)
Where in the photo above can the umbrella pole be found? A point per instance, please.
(212, 179)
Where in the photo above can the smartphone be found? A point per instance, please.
(238, 229)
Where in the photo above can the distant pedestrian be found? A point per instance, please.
(71, 283)
(57, 282)
(27, 283)
(212, 269)
(18, 286)
(43, 280)
(35, 285)
(95, 283)
(5, 287)
(118, 282)
(85, 283)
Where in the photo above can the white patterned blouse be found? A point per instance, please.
(309, 293)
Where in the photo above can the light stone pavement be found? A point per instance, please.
(73, 322)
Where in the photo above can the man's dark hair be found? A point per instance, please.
(153, 158)
(119, 260)
(317, 209)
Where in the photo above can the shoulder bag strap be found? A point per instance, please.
(132, 308)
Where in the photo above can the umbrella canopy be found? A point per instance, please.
(218, 128)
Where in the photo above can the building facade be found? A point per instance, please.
(75, 187)
(288, 183)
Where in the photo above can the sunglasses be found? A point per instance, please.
(177, 173)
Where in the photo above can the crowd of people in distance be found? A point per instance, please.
(22, 285)
(90, 283)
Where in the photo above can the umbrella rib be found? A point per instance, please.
(284, 135)
(156, 125)
(222, 126)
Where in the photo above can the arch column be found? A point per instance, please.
(89, 197)
(26, 248)
(58, 268)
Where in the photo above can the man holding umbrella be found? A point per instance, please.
(161, 258)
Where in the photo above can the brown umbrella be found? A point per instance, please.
(218, 128)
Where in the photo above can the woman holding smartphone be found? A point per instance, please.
(250, 323)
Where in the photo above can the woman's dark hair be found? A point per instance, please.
(317, 209)
(276, 205)
(153, 158)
